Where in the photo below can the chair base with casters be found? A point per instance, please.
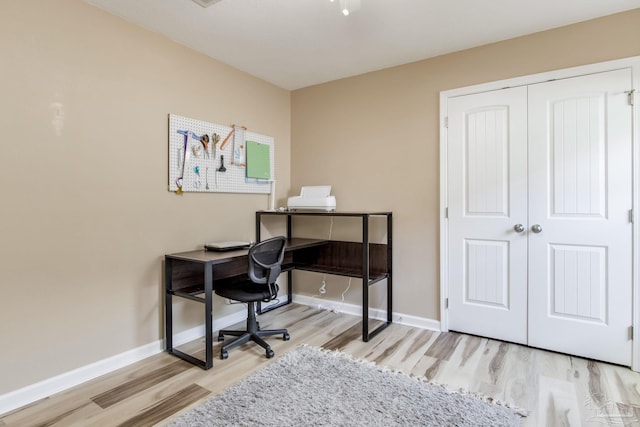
(253, 333)
(265, 262)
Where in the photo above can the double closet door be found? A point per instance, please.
(539, 195)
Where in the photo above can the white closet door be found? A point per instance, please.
(487, 197)
(555, 157)
(580, 234)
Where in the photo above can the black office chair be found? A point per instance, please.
(265, 262)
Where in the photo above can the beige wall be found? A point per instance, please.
(375, 138)
(85, 215)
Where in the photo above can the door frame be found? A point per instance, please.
(634, 64)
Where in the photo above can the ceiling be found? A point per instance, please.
(299, 43)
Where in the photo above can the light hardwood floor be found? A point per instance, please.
(557, 390)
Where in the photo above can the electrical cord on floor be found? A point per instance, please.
(339, 309)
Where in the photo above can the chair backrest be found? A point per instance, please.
(265, 260)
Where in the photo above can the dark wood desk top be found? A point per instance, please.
(318, 212)
(214, 257)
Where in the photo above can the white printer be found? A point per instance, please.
(314, 197)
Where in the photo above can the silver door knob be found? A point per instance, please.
(518, 228)
(536, 228)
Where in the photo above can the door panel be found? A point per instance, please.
(487, 273)
(578, 282)
(580, 195)
(486, 198)
(577, 152)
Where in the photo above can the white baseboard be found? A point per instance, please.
(32, 393)
(43, 389)
(48, 387)
(374, 313)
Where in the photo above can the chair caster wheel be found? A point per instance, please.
(270, 354)
(220, 337)
(224, 355)
(286, 337)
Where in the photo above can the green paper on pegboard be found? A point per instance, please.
(258, 160)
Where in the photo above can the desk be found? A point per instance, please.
(193, 275)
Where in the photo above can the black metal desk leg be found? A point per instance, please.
(208, 312)
(365, 278)
(168, 304)
(389, 269)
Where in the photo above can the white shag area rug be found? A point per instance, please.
(314, 387)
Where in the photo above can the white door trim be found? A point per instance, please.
(634, 64)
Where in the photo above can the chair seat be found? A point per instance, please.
(244, 291)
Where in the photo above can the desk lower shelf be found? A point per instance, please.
(355, 273)
(197, 293)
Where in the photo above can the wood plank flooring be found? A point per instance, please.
(557, 389)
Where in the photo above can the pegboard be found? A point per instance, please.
(196, 169)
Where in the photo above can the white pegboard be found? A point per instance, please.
(202, 167)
